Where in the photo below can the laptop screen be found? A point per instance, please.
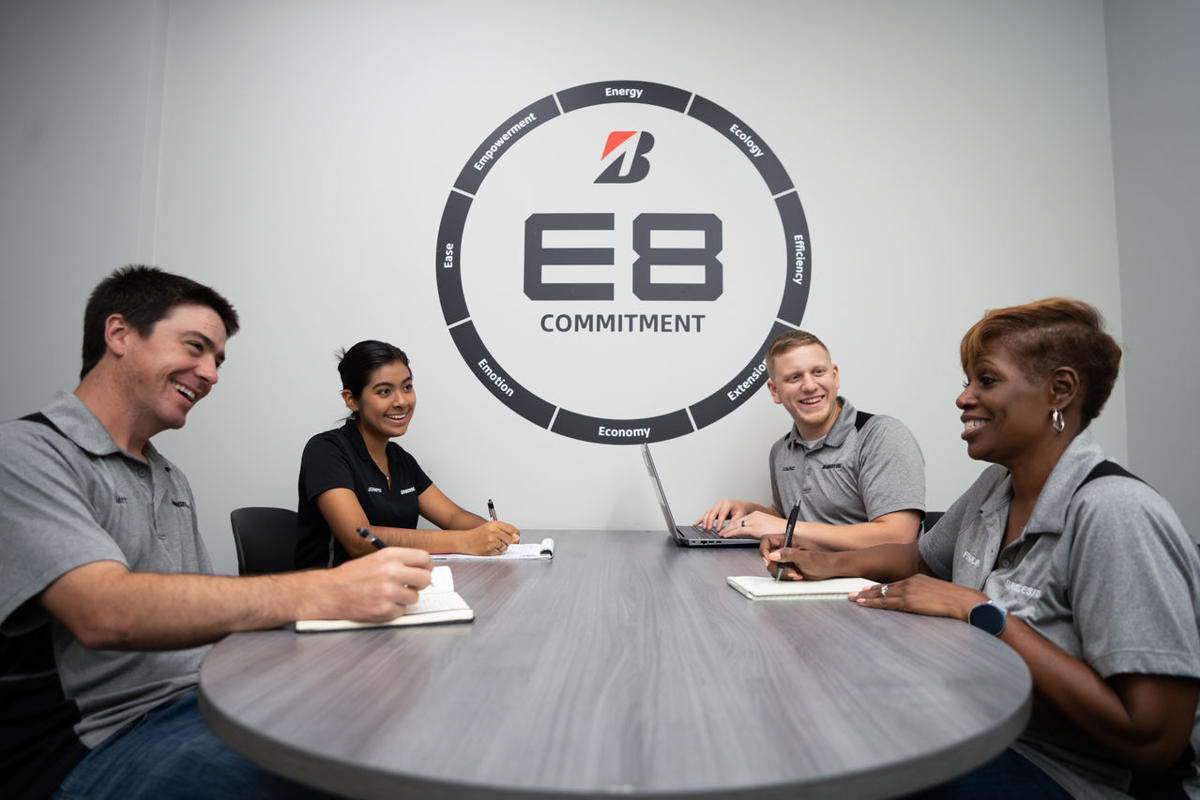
(668, 517)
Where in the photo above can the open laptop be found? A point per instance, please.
(688, 535)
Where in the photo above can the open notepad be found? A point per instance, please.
(437, 602)
(764, 587)
(542, 549)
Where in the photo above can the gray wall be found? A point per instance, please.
(79, 121)
(1153, 64)
(950, 157)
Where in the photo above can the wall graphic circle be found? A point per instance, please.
(614, 258)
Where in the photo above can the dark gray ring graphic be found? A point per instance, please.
(796, 260)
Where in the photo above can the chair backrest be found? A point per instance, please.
(265, 538)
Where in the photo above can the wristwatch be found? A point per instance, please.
(988, 616)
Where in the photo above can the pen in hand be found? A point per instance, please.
(370, 537)
(787, 536)
(491, 510)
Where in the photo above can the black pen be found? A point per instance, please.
(370, 537)
(491, 510)
(787, 536)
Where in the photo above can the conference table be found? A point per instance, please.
(625, 666)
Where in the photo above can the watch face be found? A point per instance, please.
(988, 617)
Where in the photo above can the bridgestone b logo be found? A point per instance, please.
(632, 165)
(634, 245)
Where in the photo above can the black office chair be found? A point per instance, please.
(931, 518)
(265, 538)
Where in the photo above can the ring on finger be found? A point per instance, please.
(883, 590)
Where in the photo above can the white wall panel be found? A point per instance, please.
(950, 157)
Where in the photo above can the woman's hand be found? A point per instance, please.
(489, 539)
(806, 560)
(799, 561)
(922, 594)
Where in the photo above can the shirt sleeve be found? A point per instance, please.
(775, 499)
(891, 474)
(1134, 577)
(938, 545)
(324, 466)
(48, 520)
(420, 480)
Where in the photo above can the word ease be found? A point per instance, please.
(746, 385)
(631, 93)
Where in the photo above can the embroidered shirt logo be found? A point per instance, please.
(180, 504)
(409, 490)
(787, 469)
(831, 466)
(970, 558)
(374, 489)
(1022, 589)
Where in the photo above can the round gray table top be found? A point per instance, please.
(624, 666)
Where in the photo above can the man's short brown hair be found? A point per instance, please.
(144, 295)
(787, 341)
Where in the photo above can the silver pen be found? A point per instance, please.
(370, 537)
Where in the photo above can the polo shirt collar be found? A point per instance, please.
(837, 434)
(1050, 512)
(80, 425)
(351, 432)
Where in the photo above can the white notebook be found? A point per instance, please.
(515, 552)
(437, 602)
(765, 587)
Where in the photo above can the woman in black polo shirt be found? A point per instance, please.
(355, 477)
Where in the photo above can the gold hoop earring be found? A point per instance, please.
(1057, 421)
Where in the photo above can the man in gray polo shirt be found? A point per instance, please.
(859, 478)
(107, 600)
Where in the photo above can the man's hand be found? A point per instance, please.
(107, 607)
(489, 539)
(757, 524)
(727, 511)
(373, 588)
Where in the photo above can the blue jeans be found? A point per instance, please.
(170, 753)
(1006, 776)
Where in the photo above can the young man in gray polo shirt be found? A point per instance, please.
(107, 598)
(859, 478)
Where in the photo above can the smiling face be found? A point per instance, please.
(1006, 415)
(166, 373)
(386, 403)
(806, 384)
